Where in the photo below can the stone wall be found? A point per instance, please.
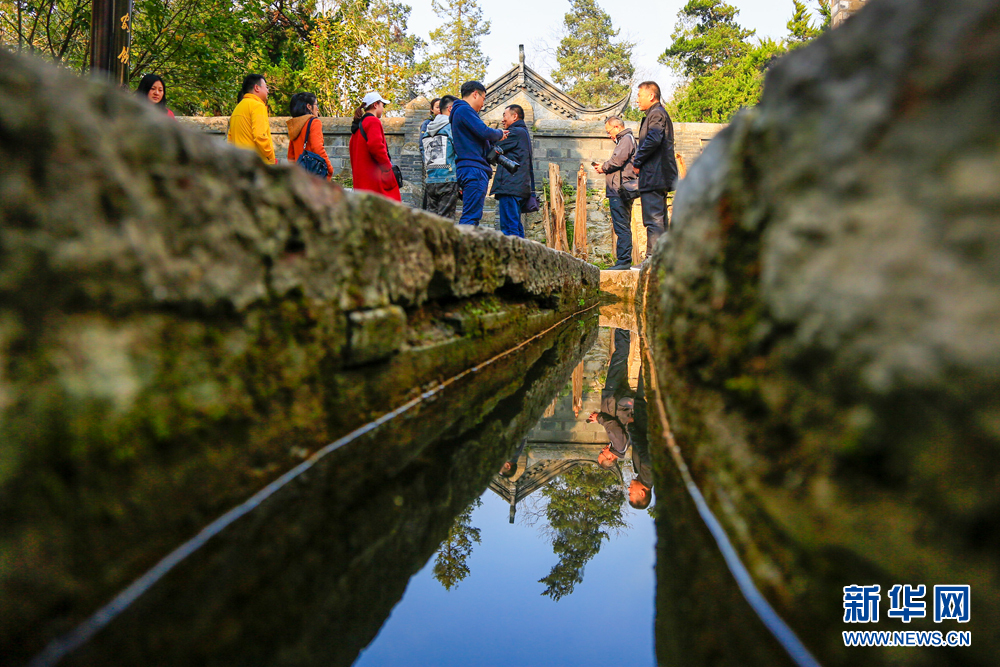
(180, 324)
(825, 326)
(564, 142)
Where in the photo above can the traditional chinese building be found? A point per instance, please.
(841, 10)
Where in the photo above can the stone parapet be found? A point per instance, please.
(180, 323)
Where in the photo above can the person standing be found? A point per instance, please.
(435, 111)
(621, 187)
(152, 89)
(438, 148)
(654, 162)
(371, 167)
(249, 126)
(513, 189)
(305, 125)
(472, 139)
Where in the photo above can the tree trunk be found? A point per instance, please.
(558, 208)
(580, 224)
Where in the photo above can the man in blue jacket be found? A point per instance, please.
(654, 161)
(513, 189)
(472, 138)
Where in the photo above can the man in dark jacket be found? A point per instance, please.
(621, 188)
(513, 189)
(617, 402)
(472, 138)
(654, 162)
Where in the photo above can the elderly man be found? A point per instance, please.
(621, 187)
(512, 189)
(654, 162)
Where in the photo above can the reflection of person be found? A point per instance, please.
(640, 491)
(621, 188)
(509, 468)
(654, 161)
(617, 403)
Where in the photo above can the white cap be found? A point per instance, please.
(371, 98)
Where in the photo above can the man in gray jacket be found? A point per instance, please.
(621, 188)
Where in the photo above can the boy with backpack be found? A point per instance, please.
(441, 189)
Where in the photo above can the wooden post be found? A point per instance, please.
(558, 208)
(110, 38)
(547, 219)
(638, 234)
(578, 389)
(580, 224)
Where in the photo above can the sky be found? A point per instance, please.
(537, 25)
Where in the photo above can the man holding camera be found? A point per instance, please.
(472, 141)
(512, 183)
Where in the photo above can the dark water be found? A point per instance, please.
(566, 579)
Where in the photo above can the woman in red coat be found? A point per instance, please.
(371, 167)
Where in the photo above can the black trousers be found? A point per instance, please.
(441, 198)
(654, 216)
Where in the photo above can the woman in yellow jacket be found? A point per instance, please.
(249, 126)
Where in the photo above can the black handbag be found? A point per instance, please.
(312, 162)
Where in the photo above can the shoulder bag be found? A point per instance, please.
(311, 162)
(531, 203)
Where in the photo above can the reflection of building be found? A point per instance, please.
(563, 440)
(841, 10)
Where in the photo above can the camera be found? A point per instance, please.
(494, 155)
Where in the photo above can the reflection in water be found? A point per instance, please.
(584, 503)
(569, 506)
(451, 563)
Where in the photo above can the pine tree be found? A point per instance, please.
(826, 13)
(396, 74)
(800, 27)
(584, 504)
(450, 566)
(593, 68)
(706, 37)
(459, 57)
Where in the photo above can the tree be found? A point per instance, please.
(397, 73)
(450, 566)
(593, 67)
(800, 27)
(825, 13)
(583, 504)
(459, 57)
(723, 67)
(706, 37)
(718, 95)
